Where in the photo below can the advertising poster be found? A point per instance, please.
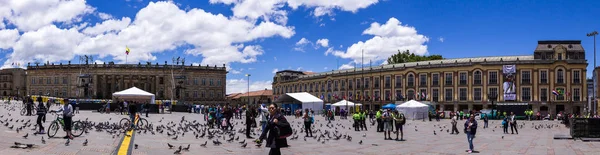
(509, 86)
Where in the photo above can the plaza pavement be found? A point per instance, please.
(423, 141)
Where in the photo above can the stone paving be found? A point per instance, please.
(423, 141)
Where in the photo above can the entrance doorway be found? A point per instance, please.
(463, 107)
(449, 107)
(577, 110)
(477, 107)
(559, 108)
(544, 110)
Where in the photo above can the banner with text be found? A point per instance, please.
(509, 72)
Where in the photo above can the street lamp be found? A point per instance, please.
(492, 98)
(594, 34)
(248, 75)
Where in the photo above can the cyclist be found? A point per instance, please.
(67, 110)
(132, 112)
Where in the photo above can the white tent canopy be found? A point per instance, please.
(307, 100)
(134, 94)
(343, 103)
(413, 109)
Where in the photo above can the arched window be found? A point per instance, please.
(477, 77)
(560, 76)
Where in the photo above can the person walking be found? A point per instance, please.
(308, 120)
(41, 112)
(399, 120)
(471, 130)
(67, 111)
(132, 113)
(454, 128)
(505, 125)
(485, 121)
(513, 123)
(275, 131)
(249, 120)
(147, 108)
(379, 124)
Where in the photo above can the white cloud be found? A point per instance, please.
(98, 61)
(388, 39)
(8, 38)
(323, 42)
(28, 15)
(299, 69)
(325, 68)
(241, 85)
(275, 10)
(275, 70)
(347, 66)
(303, 41)
(441, 39)
(251, 68)
(233, 71)
(110, 25)
(104, 16)
(275, 58)
(158, 27)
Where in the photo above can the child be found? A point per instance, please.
(41, 112)
(505, 125)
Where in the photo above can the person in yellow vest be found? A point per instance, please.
(363, 120)
(379, 124)
(399, 122)
(356, 118)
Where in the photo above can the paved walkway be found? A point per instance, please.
(423, 141)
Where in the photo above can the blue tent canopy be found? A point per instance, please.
(389, 106)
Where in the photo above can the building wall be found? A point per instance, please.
(12, 82)
(197, 84)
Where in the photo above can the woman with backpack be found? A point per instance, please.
(400, 120)
(41, 112)
(505, 125)
(308, 120)
(276, 132)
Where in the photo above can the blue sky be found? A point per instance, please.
(259, 37)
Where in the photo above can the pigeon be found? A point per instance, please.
(43, 141)
(244, 145)
(67, 143)
(502, 137)
(135, 146)
(85, 143)
(26, 135)
(170, 146)
(242, 142)
(204, 145)
(360, 142)
(365, 135)
(434, 133)
(177, 152)
(175, 138)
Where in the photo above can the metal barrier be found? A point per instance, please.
(585, 127)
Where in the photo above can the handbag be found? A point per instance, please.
(284, 130)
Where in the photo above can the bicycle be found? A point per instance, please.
(77, 126)
(24, 110)
(141, 122)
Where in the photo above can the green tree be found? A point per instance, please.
(406, 56)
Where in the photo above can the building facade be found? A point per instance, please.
(551, 80)
(12, 82)
(191, 84)
(253, 97)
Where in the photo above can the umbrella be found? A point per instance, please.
(389, 106)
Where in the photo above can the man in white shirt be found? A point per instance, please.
(513, 123)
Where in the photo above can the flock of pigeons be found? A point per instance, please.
(325, 131)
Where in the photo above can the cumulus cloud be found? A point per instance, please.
(347, 66)
(241, 85)
(275, 70)
(274, 10)
(8, 38)
(441, 39)
(104, 16)
(387, 39)
(158, 27)
(32, 15)
(301, 44)
(323, 42)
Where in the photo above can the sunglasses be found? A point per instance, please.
(271, 107)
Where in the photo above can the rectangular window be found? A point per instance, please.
(41, 80)
(376, 82)
(195, 81)
(576, 94)
(335, 85)
(448, 77)
(423, 80)
(525, 94)
(462, 94)
(410, 82)
(435, 95)
(477, 77)
(448, 95)
(435, 79)
(218, 82)
(398, 81)
(64, 92)
(576, 77)
(493, 91)
(65, 81)
(367, 81)
(544, 77)
(560, 76)
(350, 83)
(161, 80)
(463, 78)
(423, 94)
(544, 94)
(477, 94)
(388, 82)
(329, 85)
(358, 83)
(399, 95)
(561, 96)
(410, 94)
(525, 77)
(493, 77)
(344, 84)
(204, 82)
(32, 82)
(376, 95)
(211, 82)
(56, 82)
(48, 81)
(387, 95)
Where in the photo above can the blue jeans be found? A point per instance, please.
(263, 124)
(470, 139)
(132, 117)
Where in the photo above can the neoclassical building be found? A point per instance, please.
(551, 80)
(193, 84)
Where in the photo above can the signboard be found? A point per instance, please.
(509, 72)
